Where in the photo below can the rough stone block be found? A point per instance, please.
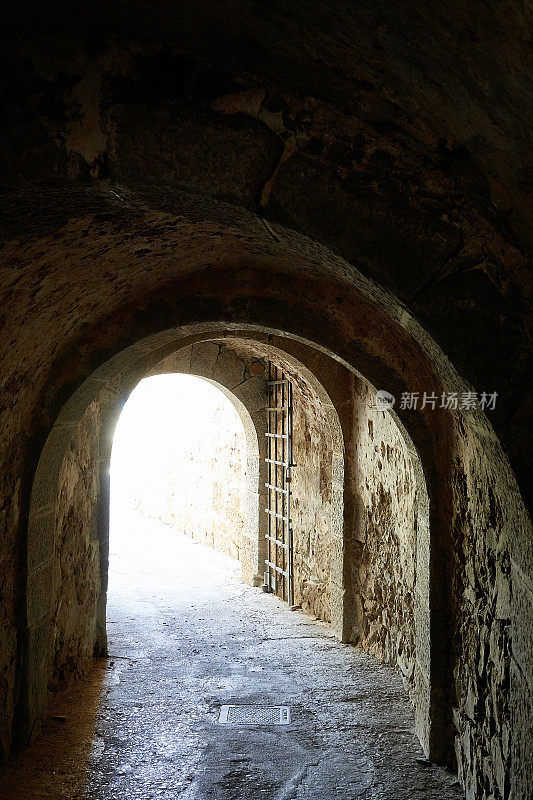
(229, 370)
(338, 613)
(421, 699)
(251, 518)
(203, 359)
(337, 520)
(522, 622)
(336, 560)
(337, 470)
(422, 564)
(423, 636)
(44, 489)
(40, 593)
(41, 537)
(335, 431)
(39, 663)
(177, 362)
(503, 594)
(521, 546)
(201, 151)
(253, 394)
(521, 702)
(252, 471)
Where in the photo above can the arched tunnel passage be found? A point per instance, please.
(357, 326)
(339, 577)
(275, 287)
(240, 369)
(240, 372)
(351, 179)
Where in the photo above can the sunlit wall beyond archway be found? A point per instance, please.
(178, 458)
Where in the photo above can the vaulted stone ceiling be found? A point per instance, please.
(395, 134)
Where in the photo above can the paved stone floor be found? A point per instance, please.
(185, 637)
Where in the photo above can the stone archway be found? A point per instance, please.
(214, 267)
(102, 398)
(135, 368)
(81, 443)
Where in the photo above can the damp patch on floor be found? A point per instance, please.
(254, 715)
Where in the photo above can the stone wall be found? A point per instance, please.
(311, 498)
(76, 575)
(380, 493)
(386, 489)
(72, 504)
(316, 486)
(359, 512)
(493, 643)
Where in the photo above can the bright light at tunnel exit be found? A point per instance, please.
(178, 458)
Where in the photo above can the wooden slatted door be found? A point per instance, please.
(278, 574)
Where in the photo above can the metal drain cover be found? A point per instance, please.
(255, 715)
